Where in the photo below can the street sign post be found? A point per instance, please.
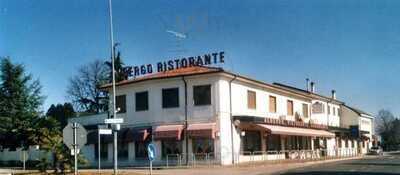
(151, 152)
(101, 132)
(74, 136)
(113, 120)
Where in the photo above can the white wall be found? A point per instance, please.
(156, 114)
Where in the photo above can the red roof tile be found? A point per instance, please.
(195, 70)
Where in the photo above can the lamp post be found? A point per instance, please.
(114, 112)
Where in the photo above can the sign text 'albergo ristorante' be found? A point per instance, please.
(202, 60)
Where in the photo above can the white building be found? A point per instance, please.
(230, 118)
(204, 113)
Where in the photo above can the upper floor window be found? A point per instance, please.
(170, 98)
(305, 110)
(334, 110)
(318, 108)
(329, 110)
(272, 104)
(290, 107)
(142, 101)
(120, 103)
(251, 99)
(338, 111)
(202, 95)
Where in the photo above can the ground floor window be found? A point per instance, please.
(297, 143)
(123, 150)
(141, 149)
(273, 142)
(252, 141)
(170, 147)
(339, 141)
(346, 143)
(202, 145)
(103, 151)
(363, 144)
(352, 143)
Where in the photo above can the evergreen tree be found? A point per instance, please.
(61, 113)
(20, 100)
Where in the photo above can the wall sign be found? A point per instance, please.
(162, 66)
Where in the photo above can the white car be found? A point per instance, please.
(376, 151)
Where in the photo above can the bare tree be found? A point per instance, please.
(83, 89)
(384, 121)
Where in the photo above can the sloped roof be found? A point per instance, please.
(318, 96)
(195, 70)
(358, 111)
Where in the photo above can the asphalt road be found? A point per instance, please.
(383, 165)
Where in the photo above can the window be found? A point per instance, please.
(123, 150)
(273, 142)
(170, 147)
(202, 145)
(252, 141)
(329, 110)
(338, 111)
(170, 98)
(290, 107)
(142, 101)
(334, 110)
(202, 95)
(103, 151)
(352, 143)
(251, 99)
(339, 143)
(346, 143)
(272, 104)
(121, 103)
(141, 149)
(305, 110)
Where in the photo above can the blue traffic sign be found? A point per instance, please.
(151, 151)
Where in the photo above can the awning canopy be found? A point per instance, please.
(201, 130)
(92, 138)
(294, 131)
(135, 134)
(168, 132)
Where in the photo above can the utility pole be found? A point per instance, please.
(114, 112)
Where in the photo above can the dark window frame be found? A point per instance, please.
(197, 98)
(138, 106)
(118, 105)
(166, 101)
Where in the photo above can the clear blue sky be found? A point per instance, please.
(351, 46)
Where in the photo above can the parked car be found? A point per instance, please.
(376, 151)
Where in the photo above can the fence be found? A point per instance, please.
(209, 159)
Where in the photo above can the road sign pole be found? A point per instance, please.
(98, 150)
(151, 167)
(75, 152)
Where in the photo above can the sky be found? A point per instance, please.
(347, 45)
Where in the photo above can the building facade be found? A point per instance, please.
(205, 113)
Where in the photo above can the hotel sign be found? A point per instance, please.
(162, 66)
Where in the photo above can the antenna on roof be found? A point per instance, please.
(307, 84)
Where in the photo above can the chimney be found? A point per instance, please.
(307, 83)
(312, 87)
(334, 94)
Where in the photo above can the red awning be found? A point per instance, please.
(294, 131)
(168, 132)
(203, 130)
